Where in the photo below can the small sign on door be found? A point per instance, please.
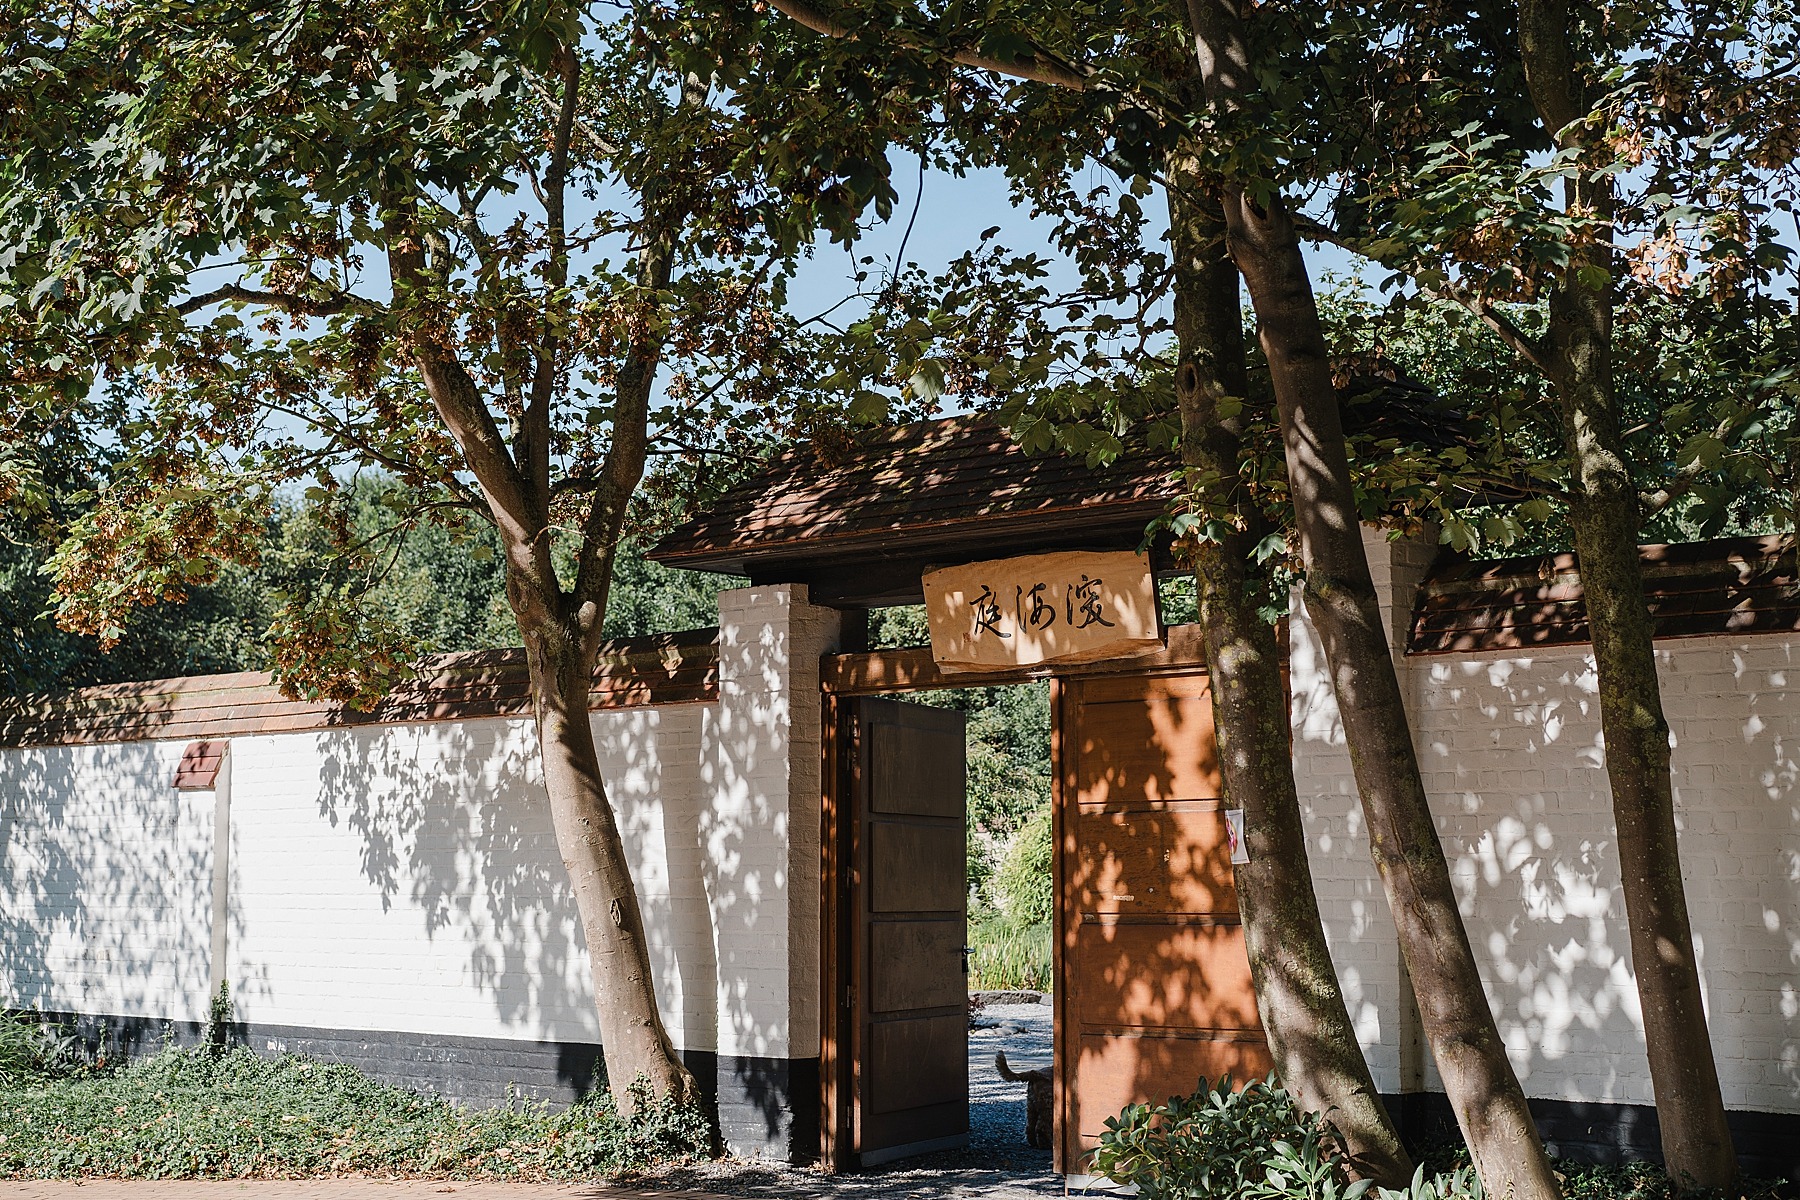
(1234, 828)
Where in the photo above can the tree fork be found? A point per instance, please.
(1298, 995)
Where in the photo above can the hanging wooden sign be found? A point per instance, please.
(1070, 607)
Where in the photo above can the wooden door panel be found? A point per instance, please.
(928, 944)
(1153, 748)
(1154, 980)
(909, 1061)
(923, 867)
(902, 782)
(919, 1062)
(1158, 975)
(1161, 860)
(1117, 1070)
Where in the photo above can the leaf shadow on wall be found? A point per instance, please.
(451, 831)
(105, 890)
(1533, 851)
(1161, 988)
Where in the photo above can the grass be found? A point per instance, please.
(1009, 957)
(218, 1113)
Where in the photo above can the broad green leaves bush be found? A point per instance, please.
(1250, 1144)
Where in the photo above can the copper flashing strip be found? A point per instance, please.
(680, 668)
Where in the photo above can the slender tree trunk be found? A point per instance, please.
(561, 630)
(1297, 992)
(1605, 515)
(632, 1038)
(1340, 596)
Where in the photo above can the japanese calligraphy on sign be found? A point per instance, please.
(1042, 608)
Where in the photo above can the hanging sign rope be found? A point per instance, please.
(1042, 608)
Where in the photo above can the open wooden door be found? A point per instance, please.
(907, 908)
(1154, 983)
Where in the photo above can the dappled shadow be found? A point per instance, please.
(1533, 850)
(1159, 980)
(407, 877)
(105, 883)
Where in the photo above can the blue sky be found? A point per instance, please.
(952, 213)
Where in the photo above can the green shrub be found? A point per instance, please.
(1253, 1144)
(225, 1113)
(1009, 957)
(31, 1052)
(1025, 883)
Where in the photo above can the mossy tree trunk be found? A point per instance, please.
(1605, 515)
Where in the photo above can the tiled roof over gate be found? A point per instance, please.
(860, 527)
(662, 669)
(939, 476)
(1741, 585)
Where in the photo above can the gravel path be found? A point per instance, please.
(997, 1163)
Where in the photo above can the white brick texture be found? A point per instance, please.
(1512, 755)
(761, 825)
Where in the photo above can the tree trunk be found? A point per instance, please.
(1340, 595)
(562, 635)
(1604, 513)
(1298, 995)
(633, 1042)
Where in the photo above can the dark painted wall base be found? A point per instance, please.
(764, 1107)
(1768, 1144)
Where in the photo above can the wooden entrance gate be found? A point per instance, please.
(1152, 983)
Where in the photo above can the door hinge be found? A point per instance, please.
(849, 995)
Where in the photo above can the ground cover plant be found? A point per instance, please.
(1255, 1143)
(211, 1112)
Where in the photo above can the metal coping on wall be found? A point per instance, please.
(669, 668)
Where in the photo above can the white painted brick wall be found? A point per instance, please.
(1511, 751)
(105, 882)
(761, 829)
(406, 877)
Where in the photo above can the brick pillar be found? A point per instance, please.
(760, 831)
(1399, 567)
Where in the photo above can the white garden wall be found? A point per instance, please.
(395, 889)
(1510, 746)
(105, 882)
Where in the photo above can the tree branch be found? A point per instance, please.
(1521, 343)
(532, 445)
(304, 306)
(1651, 503)
(519, 512)
(1037, 67)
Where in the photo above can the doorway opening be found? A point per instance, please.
(1150, 983)
(944, 907)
